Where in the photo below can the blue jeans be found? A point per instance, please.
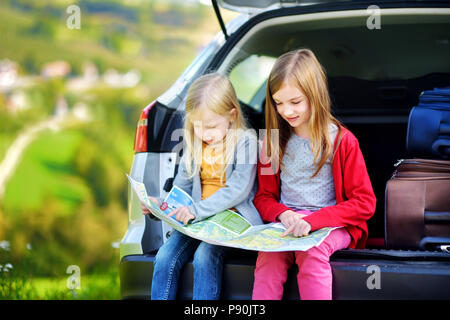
(174, 254)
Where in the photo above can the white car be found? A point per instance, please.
(379, 56)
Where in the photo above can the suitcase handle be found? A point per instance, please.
(444, 129)
(434, 243)
(442, 147)
(437, 217)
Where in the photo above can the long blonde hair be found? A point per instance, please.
(215, 92)
(301, 68)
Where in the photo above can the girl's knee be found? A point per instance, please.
(273, 262)
(313, 256)
(275, 258)
(163, 258)
(207, 254)
(338, 239)
(200, 257)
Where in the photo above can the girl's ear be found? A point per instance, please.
(232, 114)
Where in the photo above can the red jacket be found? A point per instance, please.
(355, 200)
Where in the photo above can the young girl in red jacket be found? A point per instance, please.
(311, 175)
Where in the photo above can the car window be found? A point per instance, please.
(249, 78)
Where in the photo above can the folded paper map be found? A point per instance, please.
(228, 228)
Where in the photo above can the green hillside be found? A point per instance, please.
(65, 200)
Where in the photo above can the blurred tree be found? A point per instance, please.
(42, 28)
(30, 64)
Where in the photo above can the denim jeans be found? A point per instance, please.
(174, 254)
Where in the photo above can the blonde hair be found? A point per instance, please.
(215, 92)
(301, 68)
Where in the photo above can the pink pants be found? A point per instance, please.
(314, 277)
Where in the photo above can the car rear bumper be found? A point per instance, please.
(357, 274)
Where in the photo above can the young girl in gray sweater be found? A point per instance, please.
(218, 169)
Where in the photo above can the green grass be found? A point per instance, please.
(98, 286)
(45, 171)
(6, 139)
(48, 192)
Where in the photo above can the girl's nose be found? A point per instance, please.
(289, 112)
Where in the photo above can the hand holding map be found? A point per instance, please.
(182, 214)
(228, 228)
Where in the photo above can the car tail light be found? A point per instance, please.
(140, 138)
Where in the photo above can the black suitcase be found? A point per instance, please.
(428, 134)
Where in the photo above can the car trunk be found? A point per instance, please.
(380, 126)
(375, 76)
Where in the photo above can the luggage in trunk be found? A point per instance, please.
(429, 125)
(417, 199)
(417, 205)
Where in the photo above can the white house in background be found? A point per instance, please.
(89, 78)
(90, 72)
(17, 101)
(81, 112)
(56, 69)
(8, 74)
(115, 79)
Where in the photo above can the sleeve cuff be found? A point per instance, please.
(279, 209)
(313, 221)
(193, 210)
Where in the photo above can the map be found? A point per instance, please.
(228, 228)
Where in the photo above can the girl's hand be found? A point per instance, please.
(294, 223)
(144, 208)
(300, 229)
(182, 214)
(289, 217)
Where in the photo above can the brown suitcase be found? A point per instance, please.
(417, 206)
